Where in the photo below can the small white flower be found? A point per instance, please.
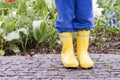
(29, 8)
(97, 12)
(13, 13)
(36, 24)
(1, 23)
(50, 3)
(2, 1)
(1, 30)
(24, 30)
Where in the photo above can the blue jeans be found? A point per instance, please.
(74, 15)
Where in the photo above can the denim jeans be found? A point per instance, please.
(74, 15)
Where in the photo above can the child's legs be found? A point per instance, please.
(65, 10)
(83, 15)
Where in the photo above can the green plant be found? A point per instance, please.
(16, 25)
(42, 32)
(107, 26)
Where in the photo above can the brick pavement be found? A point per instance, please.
(49, 67)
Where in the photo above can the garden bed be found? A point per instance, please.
(110, 47)
(27, 27)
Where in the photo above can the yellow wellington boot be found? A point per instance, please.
(82, 49)
(67, 55)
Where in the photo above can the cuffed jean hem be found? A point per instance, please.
(61, 30)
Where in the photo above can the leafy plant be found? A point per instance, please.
(17, 30)
(42, 32)
(107, 26)
(25, 23)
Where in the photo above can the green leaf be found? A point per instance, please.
(44, 32)
(36, 30)
(2, 52)
(22, 7)
(14, 48)
(24, 30)
(53, 40)
(12, 36)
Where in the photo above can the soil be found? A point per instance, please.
(110, 46)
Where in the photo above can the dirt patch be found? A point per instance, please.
(108, 47)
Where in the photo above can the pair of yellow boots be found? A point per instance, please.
(68, 57)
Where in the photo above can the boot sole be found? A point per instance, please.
(87, 68)
(71, 67)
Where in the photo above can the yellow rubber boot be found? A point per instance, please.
(67, 55)
(82, 49)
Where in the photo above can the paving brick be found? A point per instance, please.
(49, 67)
